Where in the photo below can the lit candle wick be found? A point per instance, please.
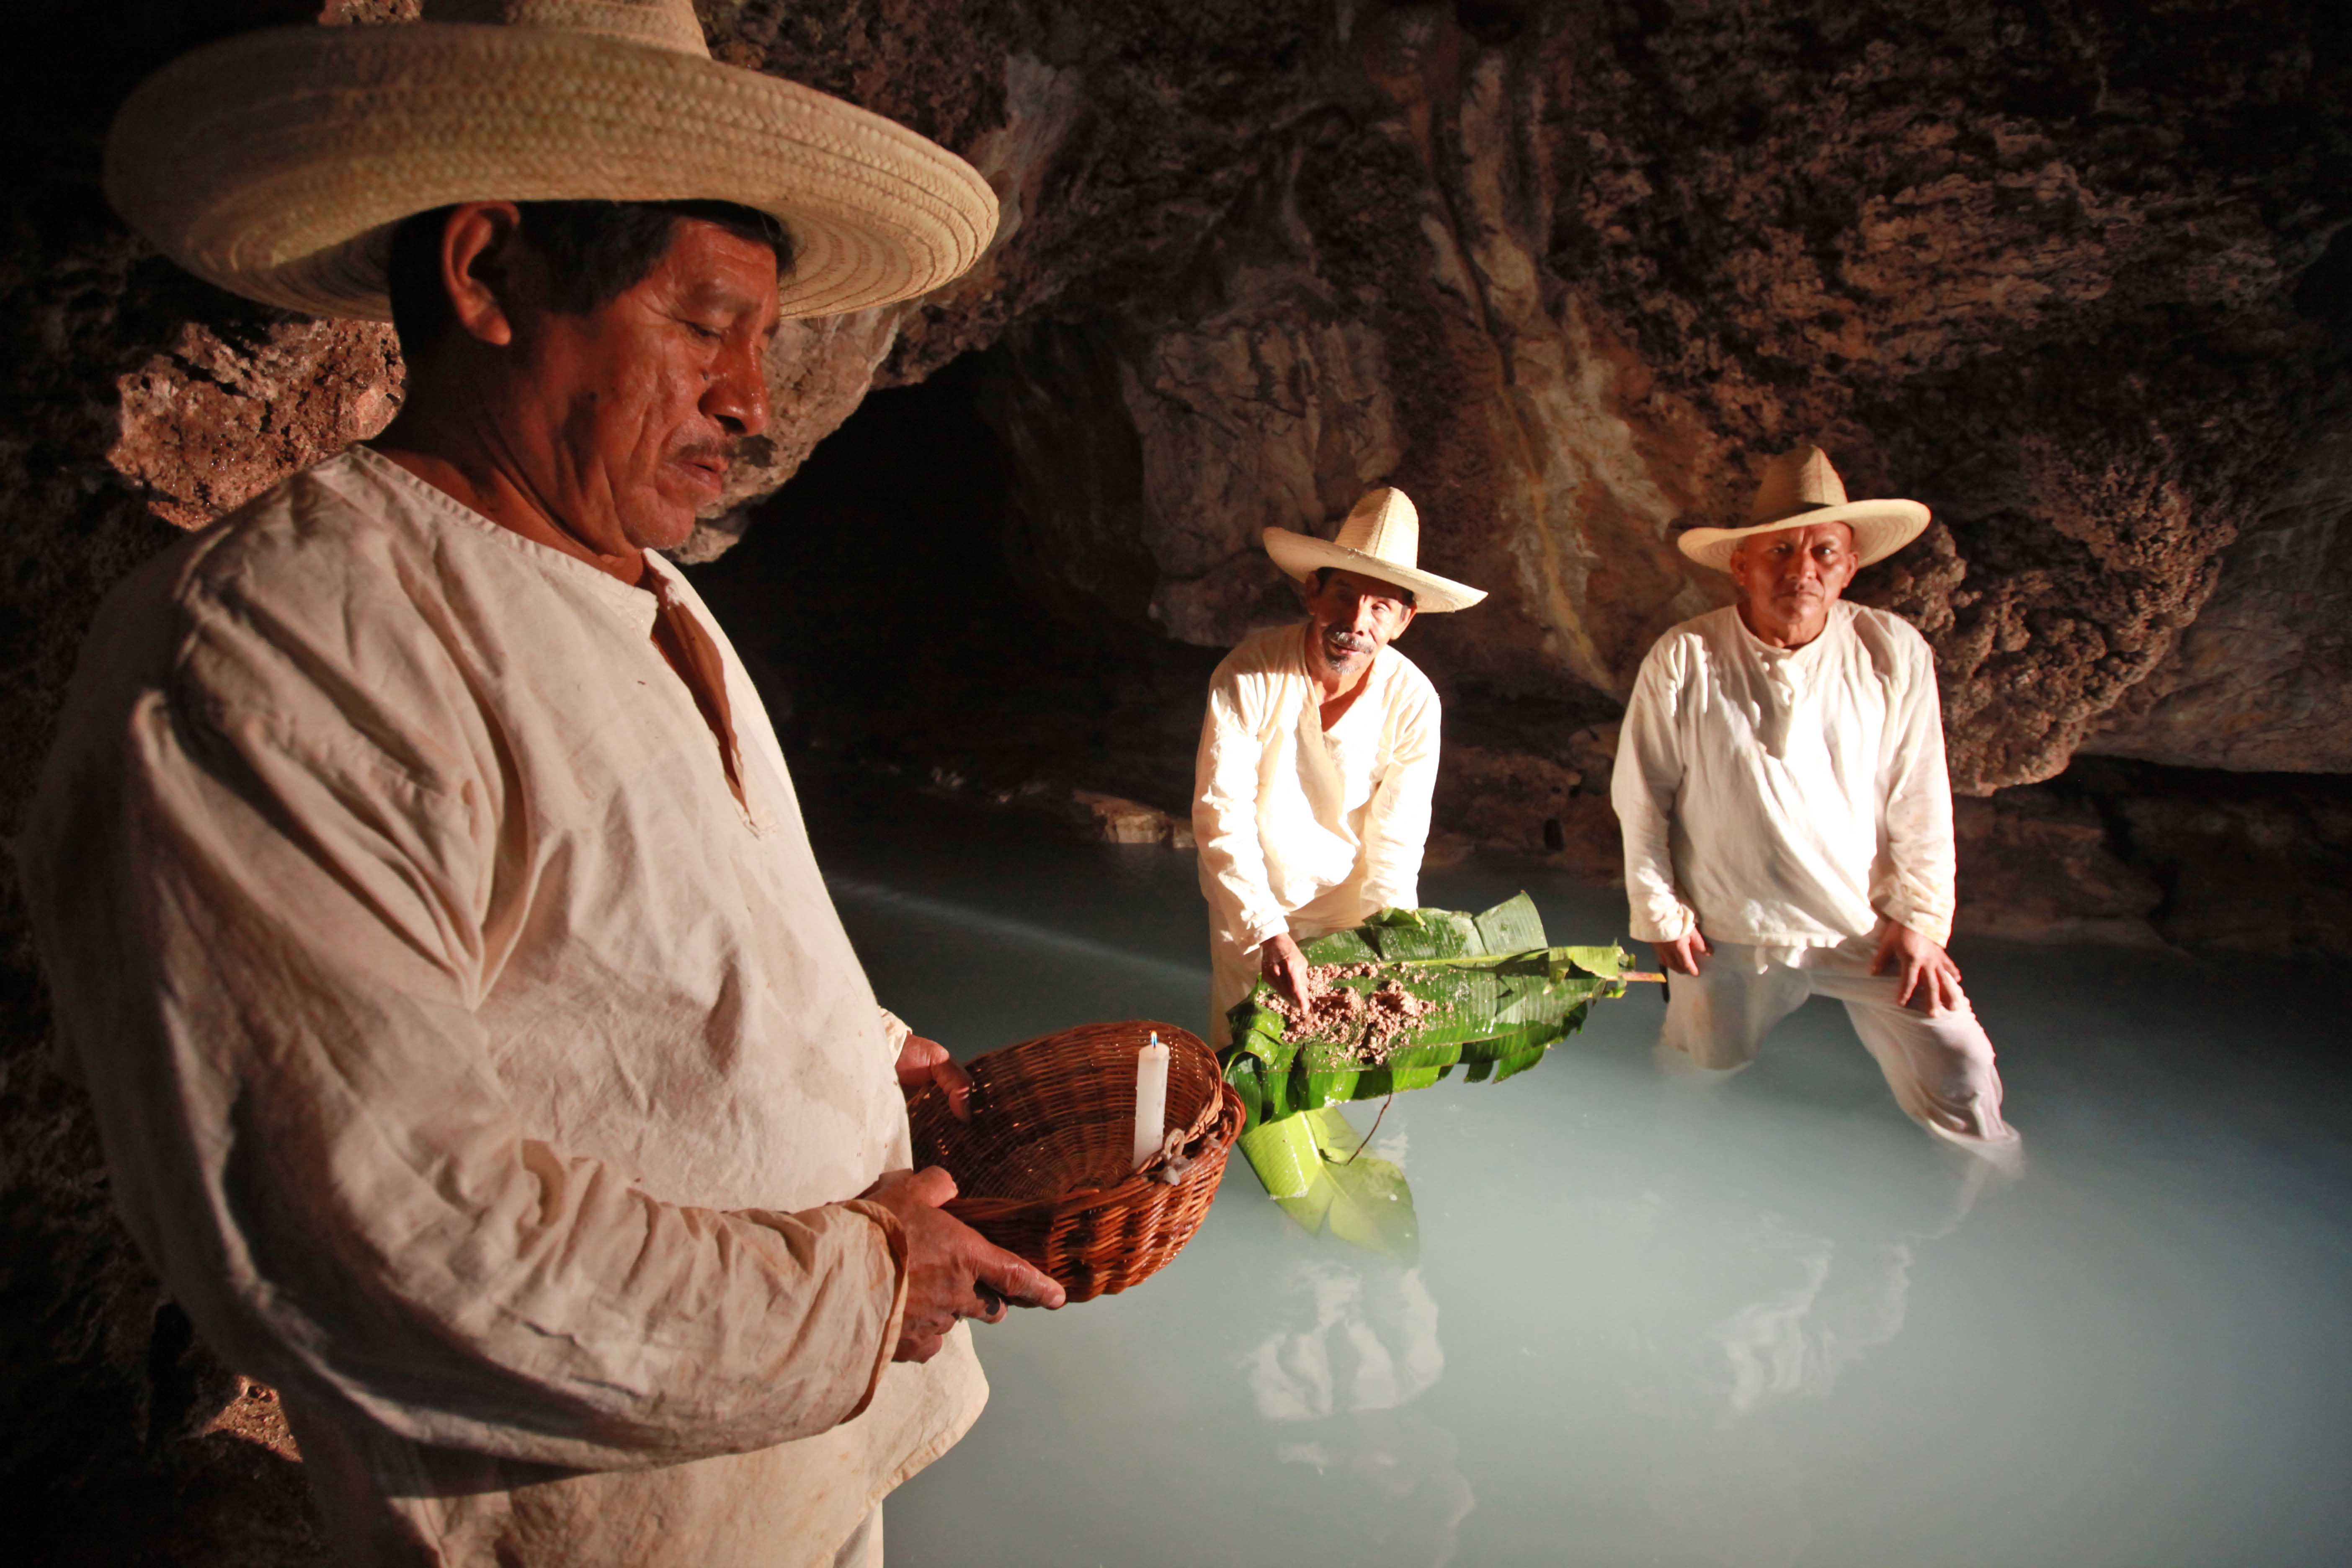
(1150, 1102)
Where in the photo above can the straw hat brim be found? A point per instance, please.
(276, 164)
(1880, 529)
(1302, 555)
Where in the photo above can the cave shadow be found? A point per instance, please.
(897, 617)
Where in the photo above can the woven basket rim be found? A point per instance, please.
(1221, 1130)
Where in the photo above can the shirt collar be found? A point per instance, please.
(633, 605)
(1764, 653)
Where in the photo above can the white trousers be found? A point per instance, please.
(1939, 1065)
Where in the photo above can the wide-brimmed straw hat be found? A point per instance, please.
(276, 164)
(1799, 489)
(1380, 539)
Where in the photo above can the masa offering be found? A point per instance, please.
(1406, 996)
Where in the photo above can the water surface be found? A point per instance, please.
(1762, 1321)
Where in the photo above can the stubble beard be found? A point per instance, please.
(1344, 658)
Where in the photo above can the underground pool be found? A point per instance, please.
(1762, 1321)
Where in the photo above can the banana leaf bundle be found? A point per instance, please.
(1433, 989)
(1481, 992)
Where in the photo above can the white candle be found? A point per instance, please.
(1150, 1102)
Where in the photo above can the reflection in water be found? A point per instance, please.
(1357, 1344)
(1763, 1324)
(1321, 1171)
(1845, 1304)
(1408, 1494)
(1772, 1291)
(1368, 1342)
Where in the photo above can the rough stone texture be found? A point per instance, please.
(2263, 680)
(2069, 272)
(2259, 865)
(211, 424)
(1115, 819)
(2038, 868)
(2035, 266)
(1562, 272)
(1539, 808)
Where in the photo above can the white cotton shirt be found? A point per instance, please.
(1289, 817)
(470, 1063)
(1785, 799)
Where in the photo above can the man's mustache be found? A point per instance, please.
(721, 452)
(1347, 642)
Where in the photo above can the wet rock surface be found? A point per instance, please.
(2076, 276)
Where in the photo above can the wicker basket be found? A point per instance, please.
(1042, 1168)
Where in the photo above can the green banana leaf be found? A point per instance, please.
(1314, 1166)
(1498, 999)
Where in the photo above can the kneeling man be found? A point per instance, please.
(1787, 817)
(1310, 795)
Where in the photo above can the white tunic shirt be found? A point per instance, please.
(1786, 798)
(1290, 818)
(470, 1062)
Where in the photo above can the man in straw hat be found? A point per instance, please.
(1787, 817)
(478, 1054)
(1311, 789)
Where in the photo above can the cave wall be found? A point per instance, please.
(2069, 272)
(1566, 272)
(2259, 680)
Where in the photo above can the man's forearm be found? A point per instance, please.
(1643, 790)
(1920, 887)
(1230, 853)
(1657, 910)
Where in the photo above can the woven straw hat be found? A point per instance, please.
(277, 163)
(1380, 539)
(1799, 489)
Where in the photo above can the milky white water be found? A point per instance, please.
(1759, 1321)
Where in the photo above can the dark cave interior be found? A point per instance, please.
(882, 603)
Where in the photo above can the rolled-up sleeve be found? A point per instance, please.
(1225, 812)
(1918, 882)
(1396, 819)
(1642, 788)
(271, 942)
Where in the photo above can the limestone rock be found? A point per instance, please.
(1508, 799)
(1562, 269)
(2037, 869)
(1115, 819)
(2262, 870)
(1529, 806)
(1565, 273)
(211, 424)
(2262, 680)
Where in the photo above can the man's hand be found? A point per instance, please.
(922, 1062)
(1681, 955)
(1281, 961)
(1929, 971)
(953, 1271)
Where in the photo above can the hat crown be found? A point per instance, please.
(1799, 480)
(659, 23)
(1384, 525)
